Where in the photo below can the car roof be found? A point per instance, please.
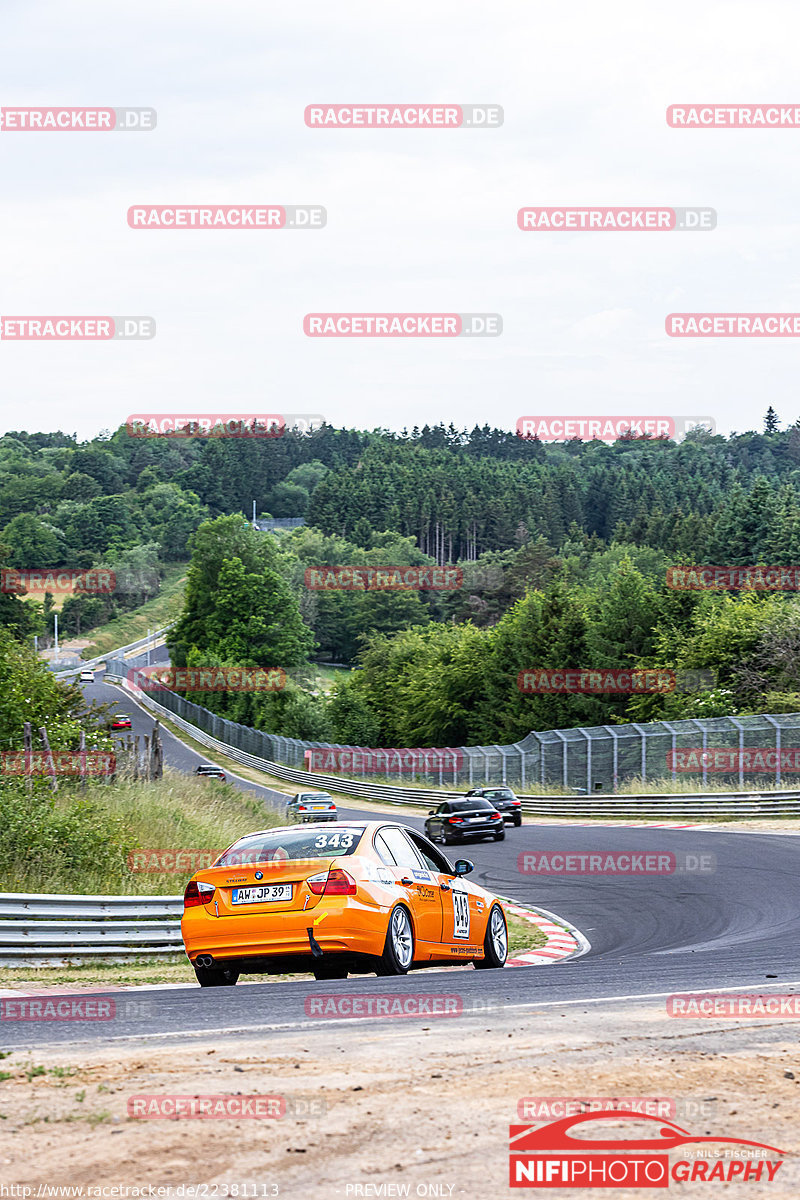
(363, 825)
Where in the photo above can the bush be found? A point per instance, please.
(45, 840)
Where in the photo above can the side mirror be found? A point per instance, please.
(464, 866)
(431, 812)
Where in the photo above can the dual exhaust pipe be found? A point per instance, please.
(204, 960)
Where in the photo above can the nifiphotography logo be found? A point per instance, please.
(560, 1154)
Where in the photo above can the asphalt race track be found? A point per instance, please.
(736, 925)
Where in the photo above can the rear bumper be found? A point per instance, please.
(471, 831)
(344, 928)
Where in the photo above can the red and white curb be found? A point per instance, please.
(563, 941)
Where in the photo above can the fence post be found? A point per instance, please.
(643, 736)
(705, 746)
(777, 729)
(82, 750)
(564, 762)
(614, 756)
(668, 727)
(740, 727)
(588, 760)
(49, 753)
(27, 741)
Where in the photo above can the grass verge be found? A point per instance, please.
(83, 843)
(130, 626)
(523, 935)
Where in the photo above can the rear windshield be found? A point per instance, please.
(307, 797)
(288, 845)
(501, 794)
(476, 802)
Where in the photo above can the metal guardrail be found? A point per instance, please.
(51, 930)
(90, 664)
(710, 805)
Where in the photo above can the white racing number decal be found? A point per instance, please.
(336, 841)
(460, 914)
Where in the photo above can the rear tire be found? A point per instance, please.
(398, 952)
(517, 822)
(495, 943)
(330, 970)
(216, 976)
(501, 836)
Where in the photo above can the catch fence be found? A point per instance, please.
(747, 752)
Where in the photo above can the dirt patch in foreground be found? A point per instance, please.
(398, 1103)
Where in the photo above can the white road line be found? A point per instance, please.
(757, 989)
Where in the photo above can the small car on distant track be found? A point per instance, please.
(311, 806)
(120, 721)
(210, 771)
(87, 677)
(456, 820)
(356, 897)
(504, 800)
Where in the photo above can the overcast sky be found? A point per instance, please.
(417, 220)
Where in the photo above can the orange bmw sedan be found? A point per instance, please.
(356, 897)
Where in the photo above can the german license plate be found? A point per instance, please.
(261, 895)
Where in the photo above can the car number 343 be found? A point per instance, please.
(460, 914)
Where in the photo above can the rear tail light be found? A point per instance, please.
(517, 802)
(494, 815)
(197, 893)
(334, 882)
(455, 820)
(301, 808)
